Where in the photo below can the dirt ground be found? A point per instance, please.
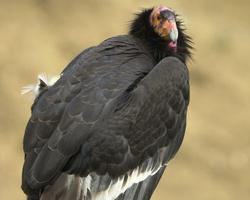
(44, 35)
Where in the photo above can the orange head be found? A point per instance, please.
(163, 21)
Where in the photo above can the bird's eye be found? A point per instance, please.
(159, 17)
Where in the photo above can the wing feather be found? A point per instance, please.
(152, 117)
(94, 120)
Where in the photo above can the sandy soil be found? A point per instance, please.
(44, 35)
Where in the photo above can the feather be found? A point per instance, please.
(100, 128)
(43, 81)
(29, 89)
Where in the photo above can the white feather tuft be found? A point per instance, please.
(35, 89)
(30, 89)
(48, 80)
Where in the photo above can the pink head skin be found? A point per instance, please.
(162, 19)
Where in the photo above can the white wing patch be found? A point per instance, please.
(35, 89)
(123, 183)
(88, 188)
(85, 183)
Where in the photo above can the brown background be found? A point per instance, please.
(44, 35)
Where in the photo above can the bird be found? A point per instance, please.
(107, 128)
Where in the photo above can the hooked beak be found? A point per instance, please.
(172, 33)
(164, 22)
(170, 26)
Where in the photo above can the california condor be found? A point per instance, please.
(109, 125)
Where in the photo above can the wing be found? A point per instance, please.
(146, 118)
(144, 132)
(144, 189)
(107, 125)
(75, 104)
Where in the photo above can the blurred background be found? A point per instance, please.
(44, 35)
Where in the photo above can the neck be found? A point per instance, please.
(158, 47)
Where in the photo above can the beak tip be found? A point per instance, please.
(173, 35)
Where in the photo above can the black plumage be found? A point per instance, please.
(117, 107)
